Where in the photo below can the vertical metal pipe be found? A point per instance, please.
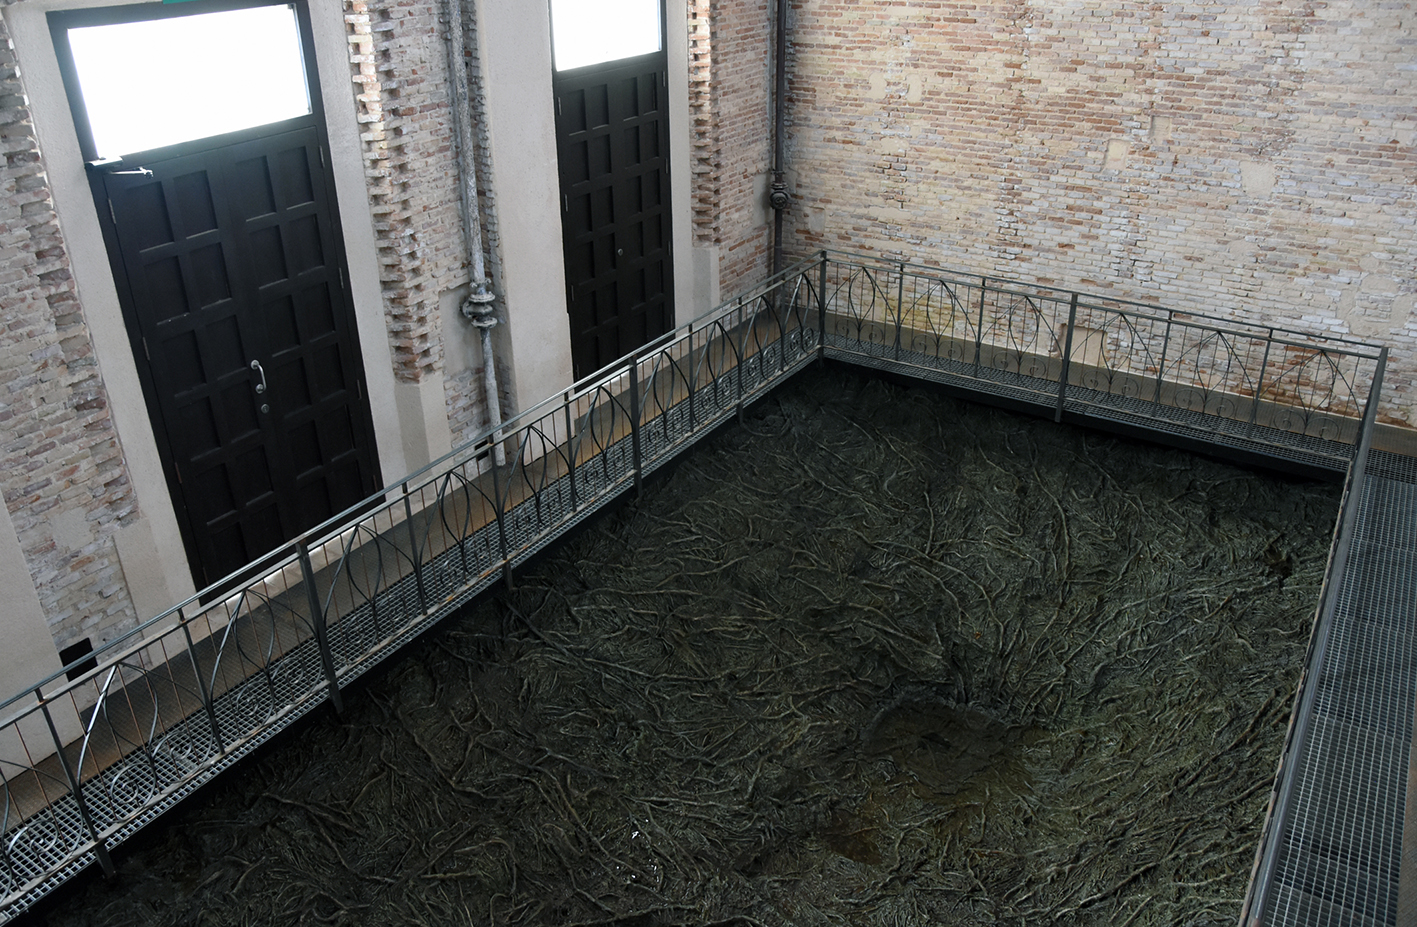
(779, 198)
(477, 308)
(822, 309)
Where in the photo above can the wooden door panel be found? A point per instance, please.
(231, 257)
(179, 274)
(612, 138)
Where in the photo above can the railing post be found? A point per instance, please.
(691, 377)
(322, 631)
(1067, 357)
(1375, 389)
(414, 552)
(742, 357)
(498, 503)
(201, 683)
(822, 309)
(899, 307)
(1161, 364)
(1259, 386)
(979, 328)
(76, 788)
(570, 448)
(635, 459)
(780, 302)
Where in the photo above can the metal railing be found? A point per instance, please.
(85, 763)
(1279, 822)
(1293, 395)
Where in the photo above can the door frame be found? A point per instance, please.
(676, 193)
(638, 63)
(59, 22)
(150, 545)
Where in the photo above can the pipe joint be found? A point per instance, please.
(478, 308)
(779, 198)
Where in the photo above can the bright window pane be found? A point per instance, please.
(594, 31)
(164, 81)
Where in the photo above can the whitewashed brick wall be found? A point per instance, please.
(1253, 159)
(62, 471)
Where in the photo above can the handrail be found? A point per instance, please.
(1064, 294)
(1264, 389)
(84, 762)
(319, 534)
(1297, 737)
(219, 677)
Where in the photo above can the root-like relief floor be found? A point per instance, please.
(874, 657)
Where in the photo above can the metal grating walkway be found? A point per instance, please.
(1339, 853)
(1339, 861)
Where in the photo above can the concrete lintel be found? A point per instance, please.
(514, 48)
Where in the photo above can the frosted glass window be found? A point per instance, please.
(585, 32)
(163, 81)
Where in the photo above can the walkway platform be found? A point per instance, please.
(200, 687)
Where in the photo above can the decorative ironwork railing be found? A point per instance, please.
(1275, 391)
(1275, 860)
(85, 763)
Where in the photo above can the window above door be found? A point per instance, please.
(588, 32)
(152, 76)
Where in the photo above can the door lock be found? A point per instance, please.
(260, 387)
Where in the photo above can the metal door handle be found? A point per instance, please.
(112, 165)
(256, 366)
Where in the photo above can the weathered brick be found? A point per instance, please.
(1126, 147)
(42, 475)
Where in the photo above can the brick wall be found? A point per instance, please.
(730, 103)
(65, 481)
(399, 65)
(1255, 160)
(62, 470)
(704, 147)
(466, 398)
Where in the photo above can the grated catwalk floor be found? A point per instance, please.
(1341, 860)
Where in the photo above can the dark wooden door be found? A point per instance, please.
(231, 275)
(612, 143)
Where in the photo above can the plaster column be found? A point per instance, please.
(28, 655)
(514, 48)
